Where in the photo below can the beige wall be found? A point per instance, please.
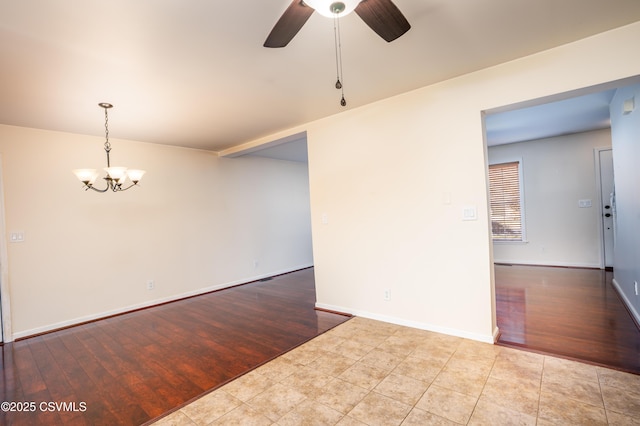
(392, 180)
(557, 172)
(198, 222)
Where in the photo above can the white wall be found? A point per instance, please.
(197, 222)
(392, 179)
(557, 172)
(625, 132)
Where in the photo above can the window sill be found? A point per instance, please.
(510, 242)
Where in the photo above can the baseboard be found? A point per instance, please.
(496, 334)
(550, 264)
(488, 338)
(627, 303)
(147, 304)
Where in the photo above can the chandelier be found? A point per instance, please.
(116, 176)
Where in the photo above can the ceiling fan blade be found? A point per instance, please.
(383, 17)
(289, 24)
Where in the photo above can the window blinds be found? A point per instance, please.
(504, 190)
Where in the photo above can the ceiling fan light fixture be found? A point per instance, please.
(331, 8)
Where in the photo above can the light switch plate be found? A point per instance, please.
(16, 237)
(469, 213)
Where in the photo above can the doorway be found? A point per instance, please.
(520, 290)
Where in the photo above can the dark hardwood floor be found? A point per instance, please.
(129, 369)
(570, 312)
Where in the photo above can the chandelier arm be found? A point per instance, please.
(110, 186)
(128, 187)
(96, 189)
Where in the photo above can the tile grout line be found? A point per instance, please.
(544, 362)
(604, 405)
(482, 390)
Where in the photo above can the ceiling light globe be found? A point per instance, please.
(86, 176)
(135, 175)
(325, 7)
(116, 173)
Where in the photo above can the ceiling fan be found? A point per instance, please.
(382, 16)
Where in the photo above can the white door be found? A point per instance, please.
(607, 207)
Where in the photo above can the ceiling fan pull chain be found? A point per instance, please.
(335, 42)
(338, 48)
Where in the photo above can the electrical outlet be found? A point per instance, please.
(387, 294)
(151, 284)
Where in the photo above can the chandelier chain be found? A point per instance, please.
(107, 144)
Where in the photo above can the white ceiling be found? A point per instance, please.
(194, 73)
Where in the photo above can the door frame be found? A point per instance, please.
(6, 334)
(601, 248)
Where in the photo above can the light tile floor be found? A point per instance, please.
(367, 372)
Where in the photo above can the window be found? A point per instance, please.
(505, 192)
